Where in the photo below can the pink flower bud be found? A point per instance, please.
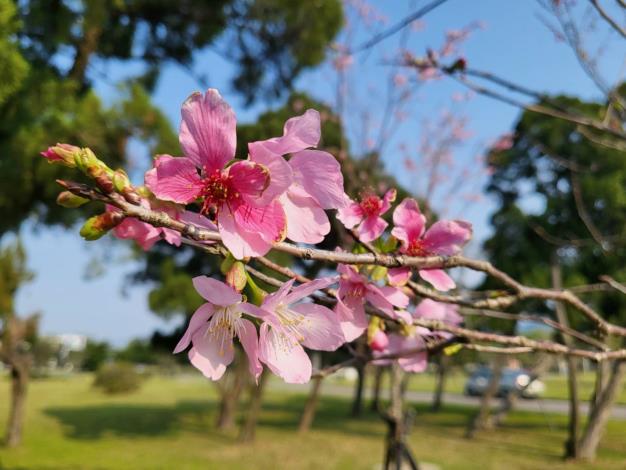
(379, 341)
(61, 153)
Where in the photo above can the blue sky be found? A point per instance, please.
(514, 44)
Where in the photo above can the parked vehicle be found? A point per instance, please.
(516, 381)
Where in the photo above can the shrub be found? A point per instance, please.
(117, 378)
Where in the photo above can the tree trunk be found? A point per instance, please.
(248, 430)
(230, 396)
(397, 453)
(19, 387)
(482, 419)
(310, 407)
(440, 379)
(601, 412)
(571, 444)
(378, 379)
(357, 401)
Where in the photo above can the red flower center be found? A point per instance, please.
(357, 290)
(371, 205)
(416, 248)
(218, 189)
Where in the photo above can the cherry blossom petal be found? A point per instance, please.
(150, 177)
(438, 278)
(306, 220)
(171, 236)
(395, 296)
(352, 319)
(306, 289)
(371, 228)
(299, 133)
(132, 229)
(416, 362)
(250, 342)
(388, 198)
(269, 222)
(284, 355)
(398, 276)
(320, 328)
(216, 292)
(210, 355)
(431, 310)
(198, 220)
(351, 214)
(281, 177)
(177, 180)
(319, 173)
(408, 221)
(199, 318)
(240, 243)
(272, 301)
(447, 237)
(249, 179)
(208, 130)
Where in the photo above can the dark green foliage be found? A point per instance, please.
(117, 378)
(96, 353)
(137, 352)
(539, 219)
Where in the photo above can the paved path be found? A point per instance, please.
(541, 405)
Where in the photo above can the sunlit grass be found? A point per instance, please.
(169, 424)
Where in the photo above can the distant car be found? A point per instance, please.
(516, 381)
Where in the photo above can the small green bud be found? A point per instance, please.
(120, 181)
(70, 200)
(97, 226)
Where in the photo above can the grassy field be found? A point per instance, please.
(169, 424)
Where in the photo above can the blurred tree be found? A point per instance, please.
(562, 202)
(96, 353)
(16, 335)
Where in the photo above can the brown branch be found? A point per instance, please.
(608, 18)
(398, 26)
(161, 219)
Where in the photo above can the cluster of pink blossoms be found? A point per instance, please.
(283, 190)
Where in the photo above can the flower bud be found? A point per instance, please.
(236, 276)
(120, 181)
(70, 200)
(122, 185)
(98, 225)
(65, 154)
(379, 341)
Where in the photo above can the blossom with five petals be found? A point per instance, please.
(249, 221)
(317, 179)
(213, 327)
(443, 238)
(354, 290)
(288, 327)
(366, 214)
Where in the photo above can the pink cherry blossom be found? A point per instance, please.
(412, 343)
(146, 235)
(443, 238)
(213, 327)
(366, 214)
(310, 182)
(288, 327)
(354, 290)
(248, 221)
(447, 313)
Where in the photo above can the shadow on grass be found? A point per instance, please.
(92, 422)
(332, 414)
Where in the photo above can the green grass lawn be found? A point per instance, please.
(169, 425)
